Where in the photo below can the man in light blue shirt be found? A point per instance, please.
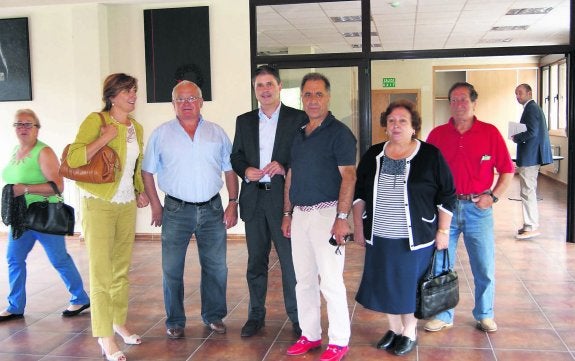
(188, 155)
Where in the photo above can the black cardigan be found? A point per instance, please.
(429, 187)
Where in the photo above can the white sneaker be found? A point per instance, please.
(527, 234)
(436, 325)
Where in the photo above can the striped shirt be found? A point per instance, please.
(389, 215)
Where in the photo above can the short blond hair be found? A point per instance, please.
(29, 112)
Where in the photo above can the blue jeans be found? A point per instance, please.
(55, 248)
(477, 228)
(179, 222)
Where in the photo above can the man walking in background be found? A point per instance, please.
(533, 151)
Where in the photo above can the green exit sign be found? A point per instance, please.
(389, 82)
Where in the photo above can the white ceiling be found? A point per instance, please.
(399, 24)
(410, 25)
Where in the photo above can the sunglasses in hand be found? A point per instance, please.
(346, 238)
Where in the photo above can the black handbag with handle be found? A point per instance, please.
(437, 293)
(53, 218)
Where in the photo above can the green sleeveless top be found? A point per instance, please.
(27, 171)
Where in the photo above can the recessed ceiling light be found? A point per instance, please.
(346, 19)
(529, 11)
(281, 51)
(356, 34)
(394, 4)
(358, 46)
(510, 28)
(492, 41)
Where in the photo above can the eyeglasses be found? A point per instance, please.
(25, 125)
(187, 100)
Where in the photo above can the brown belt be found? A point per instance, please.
(466, 197)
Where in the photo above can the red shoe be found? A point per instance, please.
(302, 346)
(334, 353)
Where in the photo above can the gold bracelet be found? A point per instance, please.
(444, 231)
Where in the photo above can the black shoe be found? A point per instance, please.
(388, 340)
(11, 316)
(175, 332)
(404, 345)
(296, 329)
(68, 313)
(252, 327)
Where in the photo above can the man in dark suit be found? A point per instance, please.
(260, 156)
(533, 151)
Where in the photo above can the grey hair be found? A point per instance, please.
(185, 82)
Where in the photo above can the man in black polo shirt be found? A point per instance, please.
(318, 195)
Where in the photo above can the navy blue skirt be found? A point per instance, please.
(390, 275)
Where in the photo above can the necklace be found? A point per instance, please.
(119, 122)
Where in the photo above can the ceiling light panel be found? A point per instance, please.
(529, 11)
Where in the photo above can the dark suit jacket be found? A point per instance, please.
(533, 145)
(246, 153)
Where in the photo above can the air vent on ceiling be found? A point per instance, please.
(357, 34)
(494, 41)
(273, 52)
(358, 46)
(346, 19)
(529, 11)
(510, 28)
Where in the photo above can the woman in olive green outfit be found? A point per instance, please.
(109, 209)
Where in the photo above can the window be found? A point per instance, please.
(554, 96)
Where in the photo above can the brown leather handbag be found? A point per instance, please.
(101, 168)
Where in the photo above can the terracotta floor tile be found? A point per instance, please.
(527, 339)
(514, 355)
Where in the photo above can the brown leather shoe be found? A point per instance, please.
(175, 332)
(218, 327)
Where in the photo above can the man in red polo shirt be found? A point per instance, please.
(473, 150)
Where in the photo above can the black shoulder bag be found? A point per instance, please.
(52, 218)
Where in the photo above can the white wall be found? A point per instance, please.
(74, 47)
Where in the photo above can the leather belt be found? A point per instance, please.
(265, 186)
(466, 197)
(193, 203)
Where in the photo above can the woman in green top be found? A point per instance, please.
(32, 165)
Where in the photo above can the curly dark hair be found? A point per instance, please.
(407, 105)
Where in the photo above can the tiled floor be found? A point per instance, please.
(535, 303)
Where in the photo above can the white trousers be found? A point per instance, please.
(313, 256)
(528, 183)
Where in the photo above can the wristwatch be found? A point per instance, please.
(495, 199)
(341, 215)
